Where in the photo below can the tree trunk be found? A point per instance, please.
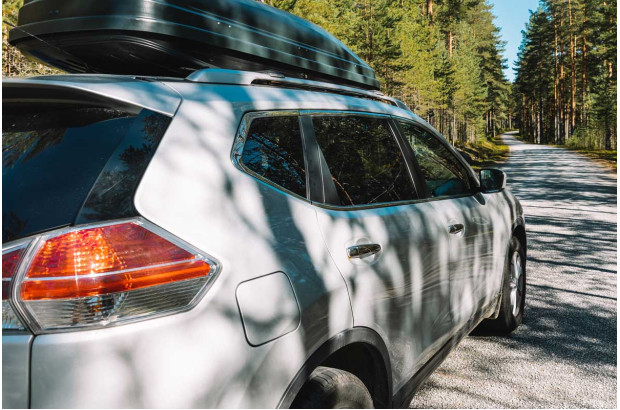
(566, 124)
(556, 82)
(607, 133)
(573, 67)
(562, 85)
(429, 11)
(534, 122)
(540, 119)
(454, 129)
(584, 79)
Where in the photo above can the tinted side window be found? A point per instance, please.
(364, 159)
(273, 149)
(443, 172)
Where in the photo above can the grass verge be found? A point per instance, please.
(485, 153)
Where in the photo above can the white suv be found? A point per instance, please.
(264, 241)
(269, 231)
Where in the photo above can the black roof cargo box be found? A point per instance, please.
(176, 37)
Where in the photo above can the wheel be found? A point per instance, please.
(330, 388)
(512, 304)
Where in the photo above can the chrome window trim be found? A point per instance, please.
(388, 204)
(346, 208)
(343, 113)
(241, 138)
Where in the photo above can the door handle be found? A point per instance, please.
(363, 251)
(456, 228)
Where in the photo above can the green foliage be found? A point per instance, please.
(13, 62)
(422, 54)
(471, 91)
(441, 57)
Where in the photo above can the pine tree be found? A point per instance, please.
(535, 75)
(573, 102)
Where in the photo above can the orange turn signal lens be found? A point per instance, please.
(107, 259)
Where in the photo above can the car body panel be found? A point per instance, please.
(196, 359)
(16, 369)
(470, 254)
(403, 293)
(252, 227)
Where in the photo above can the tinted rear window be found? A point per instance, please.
(273, 150)
(50, 161)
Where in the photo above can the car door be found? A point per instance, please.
(390, 249)
(465, 215)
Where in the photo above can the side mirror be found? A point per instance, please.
(492, 180)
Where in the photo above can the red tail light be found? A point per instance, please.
(103, 275)
(10, 262)
(10, 259)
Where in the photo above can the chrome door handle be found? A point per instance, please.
(456, 228)
(363, 251)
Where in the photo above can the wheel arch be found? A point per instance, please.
(518, 231)
(374, 369)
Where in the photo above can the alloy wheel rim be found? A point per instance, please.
(516, 283)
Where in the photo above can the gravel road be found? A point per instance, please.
(565, 353)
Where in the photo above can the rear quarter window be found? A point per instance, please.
(273, 150)
(51, 158)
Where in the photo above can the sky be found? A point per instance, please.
(511, 16)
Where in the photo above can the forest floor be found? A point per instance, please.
(485, 153)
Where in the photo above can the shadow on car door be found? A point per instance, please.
(391, 249)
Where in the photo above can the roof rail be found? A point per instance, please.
(237, 77)
(402, 105)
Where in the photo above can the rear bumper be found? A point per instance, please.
(197, 359)
(16, 370)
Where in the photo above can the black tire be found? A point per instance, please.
(508, 321)
(330, 388)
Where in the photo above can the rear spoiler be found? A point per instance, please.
(73, 89)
